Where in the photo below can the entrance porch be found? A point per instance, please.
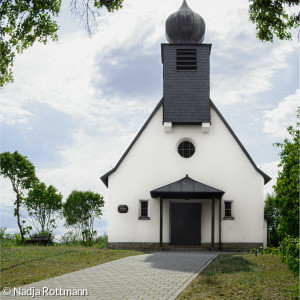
(185, 217)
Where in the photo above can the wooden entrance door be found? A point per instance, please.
(186, 224)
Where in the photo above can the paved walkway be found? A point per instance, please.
(161, 275)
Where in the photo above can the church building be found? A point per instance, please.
(186, 181)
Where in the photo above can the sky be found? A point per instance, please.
(76, 104)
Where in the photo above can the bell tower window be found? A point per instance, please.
(186, 59)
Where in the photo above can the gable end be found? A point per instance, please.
(264, 175)
(104, 178)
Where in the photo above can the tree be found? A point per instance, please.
(81, 209)
(287, 185)
(43, 204)
(21, 173)
(272, 216)
(23, 22)
(273, 17)
(286, 202)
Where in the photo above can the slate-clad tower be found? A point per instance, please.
(186, 69)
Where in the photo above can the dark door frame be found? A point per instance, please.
(170, 219)
(212, 223)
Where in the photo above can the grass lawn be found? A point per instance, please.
(243, 276)
(27, 264)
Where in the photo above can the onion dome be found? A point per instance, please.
(185, 26)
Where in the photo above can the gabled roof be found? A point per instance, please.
(264, 175)
(104, 178)
(186, 188)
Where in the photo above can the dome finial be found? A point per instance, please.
(185, 26)
(184, 4)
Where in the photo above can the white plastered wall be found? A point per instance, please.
(153, 162)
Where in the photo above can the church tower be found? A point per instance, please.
(186, 85)
(186, 179)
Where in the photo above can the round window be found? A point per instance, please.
(186, 149)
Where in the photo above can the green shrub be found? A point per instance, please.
(8, 239)
(70, 238)
(101, 241)
(288, 251)
(2, 233)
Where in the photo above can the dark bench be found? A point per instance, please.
(40, 239)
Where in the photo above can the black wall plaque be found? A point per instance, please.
(122, 209)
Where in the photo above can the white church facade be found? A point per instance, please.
(186, 180)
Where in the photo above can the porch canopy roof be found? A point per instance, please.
(187, 188)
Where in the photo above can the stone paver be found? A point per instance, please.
(161, 275)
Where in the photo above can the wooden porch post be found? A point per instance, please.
(212, 224)
(220, 220)
(161, 224)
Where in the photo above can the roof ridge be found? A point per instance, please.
(206, 185)
(191, 179)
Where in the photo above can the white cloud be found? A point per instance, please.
(61, 74)
(12, 112)
(12, 230)
(8, 196)
(284, 115)
(248, 69)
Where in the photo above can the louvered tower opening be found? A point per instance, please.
(186, 59)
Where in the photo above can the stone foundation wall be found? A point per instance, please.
(240, 246)
(166, 246)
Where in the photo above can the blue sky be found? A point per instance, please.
(76, 104)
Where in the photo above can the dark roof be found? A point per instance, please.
(104, 178)
(186, 188)
(264, 175)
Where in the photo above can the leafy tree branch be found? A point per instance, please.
(24, 22)
(274, 18)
